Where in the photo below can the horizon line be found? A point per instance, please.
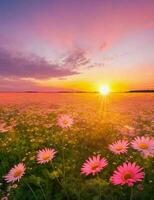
(60, 91)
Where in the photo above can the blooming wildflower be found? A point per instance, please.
(119, 147)
(144, 144)
(93, 165)
(4, 198)
(140, 187)
(45, 155)
(65, 121)
(15, 173)
(4, 128)
(128, 130)
(128, 173)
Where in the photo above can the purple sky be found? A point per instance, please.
(69, 44)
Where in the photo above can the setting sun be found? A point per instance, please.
(76, 99)
(104, 90)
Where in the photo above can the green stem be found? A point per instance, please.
(56, 177)
(63, 159)
(64, 172)
(99, 188)
(79, 196)
(31, 190)
(42, 192)
(63, 186)
(131, 193)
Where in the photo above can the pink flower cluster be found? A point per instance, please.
(128, 173)
(128, 130)
(144, 145)
(43, 155)
(17, 172)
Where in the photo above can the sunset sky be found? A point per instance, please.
(50, 45)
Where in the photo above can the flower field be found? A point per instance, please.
(76, 146)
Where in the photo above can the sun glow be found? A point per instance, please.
(104, 90)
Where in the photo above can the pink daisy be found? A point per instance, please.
(119, 147)
(144, 144)
(140, 187)
(128, 130)
(15, 173)
(4, 198)
(93, 165)
(4, 128)
(45, 155)
(128, 173)
(65, 121)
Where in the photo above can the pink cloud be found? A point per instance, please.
(95, 24)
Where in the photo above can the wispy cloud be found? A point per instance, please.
(77, 58)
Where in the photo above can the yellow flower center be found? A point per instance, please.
(119, 148)
(127, 175)
(46, 156)
(65, 122)
(17, 173)
(143, 145)
(94, 166)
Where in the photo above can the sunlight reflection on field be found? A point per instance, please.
(122, 104)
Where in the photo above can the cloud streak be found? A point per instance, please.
(32, 67)
(77, 58)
